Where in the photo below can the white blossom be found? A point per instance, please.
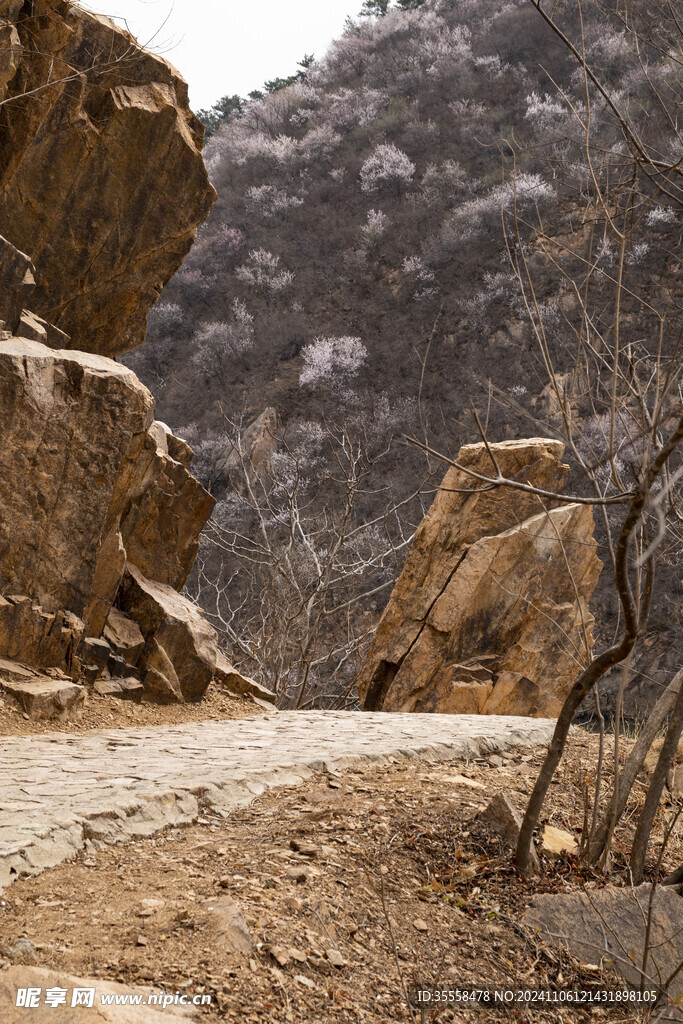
(262, 271)
(271, 200)
(386, 165)
(332, 361)
(375, 226)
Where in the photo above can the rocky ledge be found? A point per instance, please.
(490, 614)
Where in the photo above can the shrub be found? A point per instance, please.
(386, 165)
(332, 361)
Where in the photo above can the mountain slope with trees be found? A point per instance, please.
(360, 276)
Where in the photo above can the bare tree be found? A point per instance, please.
(293, 561)
(610, 352)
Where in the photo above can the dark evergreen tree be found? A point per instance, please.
(214, 117)
(374, 8)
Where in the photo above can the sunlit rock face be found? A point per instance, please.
(490, 614)
(102, 182)
(102, 185)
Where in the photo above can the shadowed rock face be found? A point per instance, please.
(102, 182)
(490, 614)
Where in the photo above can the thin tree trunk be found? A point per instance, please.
(654, 793)
(634, 623)
(634, 763)
(577, 695)
(614, 817)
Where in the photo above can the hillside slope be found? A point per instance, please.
(356, 265)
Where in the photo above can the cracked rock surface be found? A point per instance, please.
(490, 614)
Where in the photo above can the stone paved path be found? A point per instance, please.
(60, 793)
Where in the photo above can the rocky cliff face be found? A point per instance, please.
(102, 185)
(102, 182)
(490, 614)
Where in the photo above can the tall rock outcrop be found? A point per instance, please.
(102, 182)
(490, 614)
(102, 185)
(85, 483)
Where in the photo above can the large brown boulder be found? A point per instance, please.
(168, 508)
(72, 433)
(179, 657)
(84, 483)
(102, 182)
(490, 614)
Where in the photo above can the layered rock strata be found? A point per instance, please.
(490, 614)
(102, 182)
(93, 505)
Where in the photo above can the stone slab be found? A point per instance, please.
(609, 925)
(148, 1008)
(42, 697)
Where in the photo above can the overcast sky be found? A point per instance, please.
(231, 46)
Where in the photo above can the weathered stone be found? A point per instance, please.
(72, 434)
(228, 676)
(555, 841)
(610, 924)
(161, 526)
(39, 638)
(179, 658)
(34, 328)
(335, 957)
(117, 667)
(500, 816)
(14, 671)
(515, 694)
(108, 688)
(124, 689)
(123, 636)
(95, 651)
(484, 618)
(110, 155)
(80, 474)
(88, 674)
(14, 978)
(305, 848)
(16, 277)
(42, 697)
(174, 446)
(23, 949)
(230, 929)
(258, 445)
(300, 873)
(131, 689)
